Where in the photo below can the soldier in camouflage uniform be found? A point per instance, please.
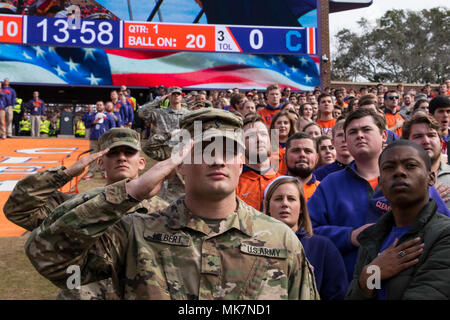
(164, 122)
(36, 196)
(208, 244)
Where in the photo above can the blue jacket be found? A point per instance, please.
(119, 122)
(2, 100)
(345, 201)
(10, 96)
(36, 107)
(329, 268)
(98, 129)
(126, 112)
(323, 171)
(130, 113)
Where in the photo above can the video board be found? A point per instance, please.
(106, 45)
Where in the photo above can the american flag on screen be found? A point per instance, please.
(100, 67)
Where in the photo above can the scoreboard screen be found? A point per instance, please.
(113, 34)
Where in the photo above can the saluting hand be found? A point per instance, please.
(149, 184)
(78, 167)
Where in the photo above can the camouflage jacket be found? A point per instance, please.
(163, 121)
(171, 254)
(36, 196)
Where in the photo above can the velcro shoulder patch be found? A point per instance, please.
(177, 239)
(263, 251)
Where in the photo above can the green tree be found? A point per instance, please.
(404, 46)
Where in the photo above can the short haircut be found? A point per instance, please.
(235, 98)
(252, 120)
(337, 126)
(361, 113)
(273, 87)
(319, 141)
(298, 136)
(368, 98)
(389, 91)
(408, 143)
(324, 95)
(420, 117)
(439, 102)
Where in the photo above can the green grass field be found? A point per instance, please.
(18, 278)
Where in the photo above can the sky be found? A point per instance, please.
(347, 19)
(185, 11)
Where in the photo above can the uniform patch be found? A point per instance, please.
(263, 251)
(177, 239)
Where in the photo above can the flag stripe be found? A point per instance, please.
(29, 73)
(204, 78)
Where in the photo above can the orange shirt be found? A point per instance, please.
(373, 183)
(391, 119)
(310, 187)
(278, 159)
(267, 113)
(252, 185)
(327, 126)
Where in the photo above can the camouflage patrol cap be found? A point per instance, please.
(214, 123)
(116, 137)
(175, 89)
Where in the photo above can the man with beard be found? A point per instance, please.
(258, 171)
(424, 130)
(301, 159)
(440, 109)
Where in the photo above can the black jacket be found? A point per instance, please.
(427, 280)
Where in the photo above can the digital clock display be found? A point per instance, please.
(156, 36)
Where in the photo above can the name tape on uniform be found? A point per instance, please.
(178, 239)
(263, 251)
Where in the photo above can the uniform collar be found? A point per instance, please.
(272, 108)
(387, 110)
(180, 217)
(269, 171)
(312, 180)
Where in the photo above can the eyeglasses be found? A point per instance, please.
(392, 97)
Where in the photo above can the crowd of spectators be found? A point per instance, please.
(311, 158)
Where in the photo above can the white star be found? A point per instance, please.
(72, 65)
(303, 61)
(51, 49)
(39, 51)
(281, 58)
(274, 62)
(308, 78)
(266, 64)
(294, 69)
(26, 55)
(209, 63)
(241, 61)
(93, 80)
(89, 52)
(60, 72)
(287, 74)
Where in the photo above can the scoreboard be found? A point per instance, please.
(112, 34)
